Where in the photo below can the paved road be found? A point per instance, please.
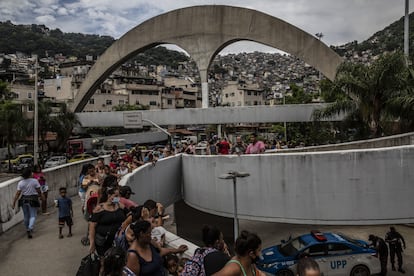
(45, 254)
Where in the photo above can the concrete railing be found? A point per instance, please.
(383, 142)
(62, 176)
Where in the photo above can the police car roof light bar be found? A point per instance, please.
(318, 235)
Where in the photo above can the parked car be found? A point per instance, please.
(14, 162)
(79, 157)
(336, 254)
(55, 161)
(24, 162)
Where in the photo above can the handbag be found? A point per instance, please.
(90, 266)
(20, 202)
(34, 203)
(100, 239)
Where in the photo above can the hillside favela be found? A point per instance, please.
(172, 140)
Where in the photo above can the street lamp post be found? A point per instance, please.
(406, 31)
(284, 123)
(234, 175)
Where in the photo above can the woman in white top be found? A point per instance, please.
(28, 190)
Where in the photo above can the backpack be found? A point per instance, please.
(195, 266)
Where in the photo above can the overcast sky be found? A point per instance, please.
(340, 21)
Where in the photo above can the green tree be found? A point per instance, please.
(364, 92)
(63, 123)
(4, 90)
(12, 123)
(298, 96)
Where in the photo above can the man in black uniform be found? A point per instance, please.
(382, 250)
(394, 240)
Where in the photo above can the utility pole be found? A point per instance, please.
(406, 32)
(36, 122)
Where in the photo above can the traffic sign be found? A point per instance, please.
(133, 119)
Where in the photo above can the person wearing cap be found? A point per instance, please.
(382, 251)
(125, 193)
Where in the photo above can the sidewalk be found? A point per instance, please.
(45, 254)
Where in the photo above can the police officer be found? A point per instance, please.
(382, 250)
(394, 240)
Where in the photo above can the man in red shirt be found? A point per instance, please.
(223, 146)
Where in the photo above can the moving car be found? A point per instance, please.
(336, 254)
(55, 161)
(79, 157)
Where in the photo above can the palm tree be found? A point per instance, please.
(365, 91)
(13, 123)
(63, 125)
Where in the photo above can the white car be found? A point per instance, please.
(55, 161)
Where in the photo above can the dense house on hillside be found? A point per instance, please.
(241, 94)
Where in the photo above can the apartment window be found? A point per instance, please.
(153, 103)
(169, 101)
(255, 93)
(232, 94)
(29, 95)
(121, 102)
(255, 102)
(227, 95)
(108, 102)
(249, 93)
(91, 101)
(30, 108)
(248, 103)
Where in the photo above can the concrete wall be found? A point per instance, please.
(161, 182)
(358, 187)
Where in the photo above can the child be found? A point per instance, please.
(65, 212)
(171, 264)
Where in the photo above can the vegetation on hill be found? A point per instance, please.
(389, 39)
(40, 40)
(161, 56)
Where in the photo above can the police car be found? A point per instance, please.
(336, 254)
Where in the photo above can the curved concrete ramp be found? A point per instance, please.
(203, 31)
(353, 187)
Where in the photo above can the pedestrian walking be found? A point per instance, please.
(396, 242)
(28, 193)
(64, 204)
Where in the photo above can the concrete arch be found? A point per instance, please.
(203, 31)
